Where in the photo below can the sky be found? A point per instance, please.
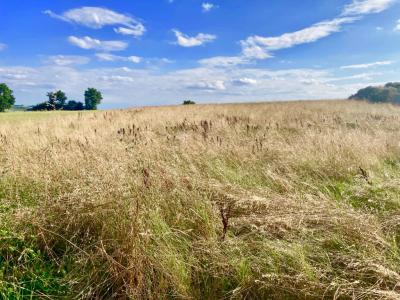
(159, 52)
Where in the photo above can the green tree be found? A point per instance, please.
(52, 100)
(73, 105)
(7, 99)
(93, 98)
(388, 93)
(61, 98)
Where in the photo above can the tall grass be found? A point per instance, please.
(253, 201)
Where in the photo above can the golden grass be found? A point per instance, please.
(269, 201)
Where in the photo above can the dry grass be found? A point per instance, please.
(258, 201)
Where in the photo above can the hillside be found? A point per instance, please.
(259, 201)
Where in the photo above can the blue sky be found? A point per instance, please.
(153, 52)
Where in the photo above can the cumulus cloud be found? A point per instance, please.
(66, 60)
(207, 6)
(91, 43)
(198, 40)
(369, 65)
(363, 7)
(98, 17)
(259, 47)
(111, 57)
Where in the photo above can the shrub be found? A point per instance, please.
(188, 102)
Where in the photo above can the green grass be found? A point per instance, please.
(19, 116)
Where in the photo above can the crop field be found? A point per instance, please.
(295, 200)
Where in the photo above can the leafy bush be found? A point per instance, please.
(188, 102)
(74, 105)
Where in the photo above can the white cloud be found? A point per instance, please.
(91, 43)
(218, 85)
(98, 17)
(397, 28)
(111, 57)
(362, 76)
(124, 87)
(66, 60)
(223, 61)
(363, 7)
(369, 65)
(117, 78)
(198, 40)
(206, 6)
(2, 46)
(259, 47)
(136, 31)
(244, 81)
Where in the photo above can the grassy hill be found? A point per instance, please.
(250, 201)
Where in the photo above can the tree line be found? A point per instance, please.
(55, 100)
(58, 101)
(390, 92)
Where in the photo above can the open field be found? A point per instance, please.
(253, 201)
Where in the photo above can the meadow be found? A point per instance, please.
(296, 200)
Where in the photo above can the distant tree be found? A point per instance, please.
(7, 99)
(93, 98)
(188, 102)
(52, 101)
(73, 105)
(60, 100)
(41, 106)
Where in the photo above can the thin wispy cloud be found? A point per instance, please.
(223, 61)
(91, 43)
(368, 65)
(111, 57)
(207, 6)
(363, 7)
(136, 31)
(188, 41)
(244, 81)
(218, 85)
(260, 47)
(2, 46)
(67, 60)
(98, 17)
